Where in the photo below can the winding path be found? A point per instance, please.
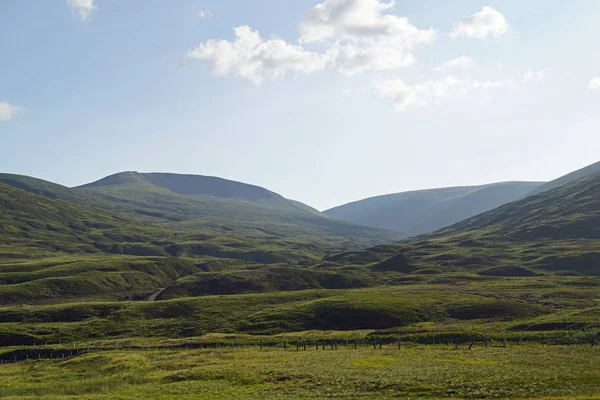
(154, 295)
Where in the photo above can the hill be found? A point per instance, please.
(209, 205)
(590, 169)
(193, 185)
(131, 238)
(556, 232)
(570, 211)
(31, 224)
(425, 211)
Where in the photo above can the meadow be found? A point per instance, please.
(412, 372)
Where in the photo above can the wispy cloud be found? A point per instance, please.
(432, 92)
(84, 8)
(405, 95)
(462, 62)
(595, 84)
(7, 111)
(487, 22)
(205, 14)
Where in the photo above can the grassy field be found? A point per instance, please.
(519, 371)
(448, 306)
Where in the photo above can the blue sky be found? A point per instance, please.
(322, 101)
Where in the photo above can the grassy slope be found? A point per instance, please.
(437, 372)
(460, 305)
(94, 244)
(237, 208)
(424, 211)
(557, 232)
(134, 197)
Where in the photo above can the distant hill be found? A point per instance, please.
(425, 211)
(590, 169)
(555, 232)
(194, 185)
(570, 211)
(210, 207)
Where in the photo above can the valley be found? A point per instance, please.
(159, 261)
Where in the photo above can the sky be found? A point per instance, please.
(322, 101)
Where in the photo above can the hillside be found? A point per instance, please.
(556, 232)
(32, 224)
(193, 185)
(131, 238)
(590, 169)
(221, 205)
(221, 208)
(570, 211)
(425, 211)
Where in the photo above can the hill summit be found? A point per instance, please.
(194, 185)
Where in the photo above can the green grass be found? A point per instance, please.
(519, 372)
(458, 307)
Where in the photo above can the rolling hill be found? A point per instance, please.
(207, 205)
(556, 232)
(193, 185)
(425, 211)
(128, 236)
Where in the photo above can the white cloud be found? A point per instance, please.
(358, 36)
(487, 22)
(430, 92)
(360, 20)
(462, 62)
(350, 59)
(205, 14)
(253, 58)
(364, 36)
(495, 84)
(595, 84)
(83, 7)
(7, 111)
(534, 76)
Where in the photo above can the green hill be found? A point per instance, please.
(212, 205)
(126, 240)
(556, 232)
(32, 225)
(570, 211)
(425, 211)
(191, 185)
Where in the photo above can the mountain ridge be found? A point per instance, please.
(421, 211)
(570, 177)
